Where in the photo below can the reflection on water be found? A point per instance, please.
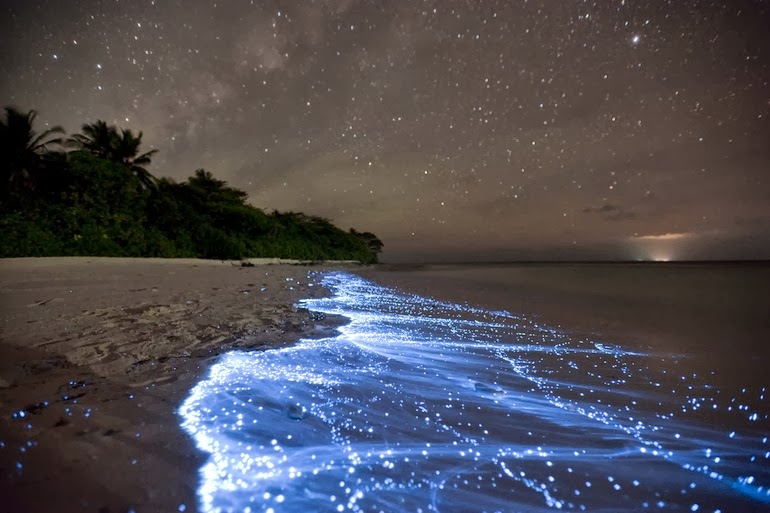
(420, 405)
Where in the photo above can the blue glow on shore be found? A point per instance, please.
(421, 405)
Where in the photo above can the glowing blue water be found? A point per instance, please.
(420, 405)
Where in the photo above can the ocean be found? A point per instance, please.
(586, 387)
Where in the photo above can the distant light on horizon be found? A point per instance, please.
(659, 253)
(662, 247)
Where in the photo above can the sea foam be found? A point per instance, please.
(423, 405)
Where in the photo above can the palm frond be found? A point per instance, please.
(145, 177)
(145, 158)
(40, 143)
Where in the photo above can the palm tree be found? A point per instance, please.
(97, 138)
(105, 141)
(214, 190)
(126, 151)
(22, 149)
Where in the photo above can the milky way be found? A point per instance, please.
(521, 129)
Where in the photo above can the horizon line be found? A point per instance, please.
(587, 261)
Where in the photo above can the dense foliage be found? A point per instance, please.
(98, 199)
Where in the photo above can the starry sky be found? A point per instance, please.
(475, 130)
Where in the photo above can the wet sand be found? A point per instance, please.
(95, 356)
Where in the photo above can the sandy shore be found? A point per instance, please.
(97, 353)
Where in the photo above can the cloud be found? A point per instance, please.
(664, 236)
(607, 207)
(610, 212)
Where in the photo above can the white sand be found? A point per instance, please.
(133, 336)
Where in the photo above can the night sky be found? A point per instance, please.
(453, 130)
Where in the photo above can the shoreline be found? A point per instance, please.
(96, 354)
(35, 262)
(711, 314)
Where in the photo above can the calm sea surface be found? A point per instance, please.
(502, 388)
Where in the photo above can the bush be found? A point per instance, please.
(84, 204)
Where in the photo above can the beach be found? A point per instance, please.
(97, 353)
(530, 387)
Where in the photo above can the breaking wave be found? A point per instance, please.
(422, 405)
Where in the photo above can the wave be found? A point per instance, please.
(424, 405)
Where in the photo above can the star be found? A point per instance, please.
(446, 103)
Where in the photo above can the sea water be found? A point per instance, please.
(424, 405)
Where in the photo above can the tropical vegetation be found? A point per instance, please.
(92, 195)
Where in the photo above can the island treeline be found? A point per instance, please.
(92, 195)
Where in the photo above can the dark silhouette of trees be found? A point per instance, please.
(101, 200)
(215, 190)
(96, 138)
(118, 145)
(127, 153)
(374, 244)
(23, 150)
